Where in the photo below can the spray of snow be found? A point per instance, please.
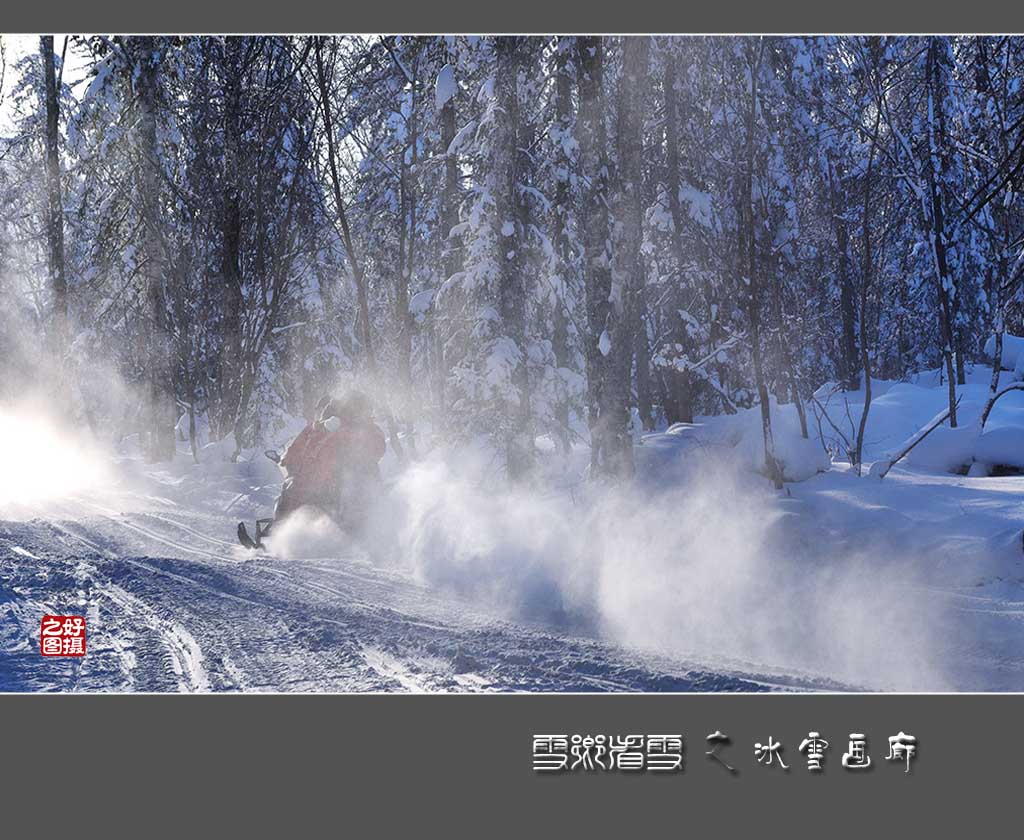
(714, 568)
(308, 533)
(62, 416)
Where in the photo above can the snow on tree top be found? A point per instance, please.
(446, 87)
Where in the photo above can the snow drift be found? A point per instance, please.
(1013, 352)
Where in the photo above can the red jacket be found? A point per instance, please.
(316, 458)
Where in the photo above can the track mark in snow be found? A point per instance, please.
(473, 682)
(390, 667)
(186, 655)
(121, 520)
(188, 530)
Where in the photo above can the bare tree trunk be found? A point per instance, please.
(629, 257)
(961, 358)
(563, 247)
(850, 370)
(511, 235)
(865, 358)
(406, 246)
(789, 380)
(192, 430)
(54, 202)
(231, 235)
(406, 263)
(159, 431)
(608, 412)
(938, 231)
(772, 467)
(642, 354)
(682, 401)
(358, 277)
(452, 263)
(993, 388)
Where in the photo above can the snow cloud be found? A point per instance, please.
(308, 533)
(716, 570)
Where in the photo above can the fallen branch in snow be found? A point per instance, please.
(879, 469)
(819, 412)
(1016, 386)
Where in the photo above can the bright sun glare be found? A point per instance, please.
(42, 463)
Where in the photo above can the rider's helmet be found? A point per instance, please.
(355, 406)
(333, 407)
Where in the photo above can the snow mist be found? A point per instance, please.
(62, 416)
(308, 533)
(717, 571)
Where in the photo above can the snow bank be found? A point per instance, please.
(219, 451)
(1013, 351)
(799, 457)
(202, 429)
(1001, 446)
(945, 450)
(899, 410)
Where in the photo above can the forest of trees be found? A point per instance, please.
(504, 236)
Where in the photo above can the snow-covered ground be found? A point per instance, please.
(699, 578)
(173, 605)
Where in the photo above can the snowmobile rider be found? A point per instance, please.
(332, 464)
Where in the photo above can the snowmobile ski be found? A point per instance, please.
(245, 539)
(262, 529)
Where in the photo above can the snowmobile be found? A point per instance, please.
(262, 525)
(350, 511)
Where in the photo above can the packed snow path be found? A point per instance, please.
(172, 605)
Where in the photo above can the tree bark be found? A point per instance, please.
(560, 211)
(511, 235)
(943, 278)
(54, 201)
(407, 244)
(772, 467)
(358, 277)
(608, 411)
(868, 272)
(847, 307)
(451, 260)
(159, 431)
(680, 407)
(231, 242)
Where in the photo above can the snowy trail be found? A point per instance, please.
(172, 606)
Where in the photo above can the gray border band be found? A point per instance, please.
(463, 765)
(523, 16)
